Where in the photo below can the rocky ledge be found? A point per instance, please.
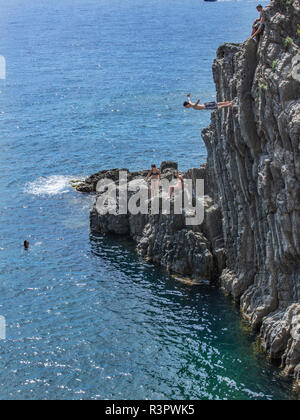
(164, 237)
(250, 238)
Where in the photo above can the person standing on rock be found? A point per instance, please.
(207, 105)
(179, 186)
(154, 175)
(258, 24)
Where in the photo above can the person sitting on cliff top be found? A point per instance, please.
(258, 24)
(207, 105)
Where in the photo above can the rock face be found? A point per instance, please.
(254, 168)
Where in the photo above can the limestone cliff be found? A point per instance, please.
(254, 168)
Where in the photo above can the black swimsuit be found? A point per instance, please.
(211, 105)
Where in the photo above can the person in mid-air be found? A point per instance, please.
(207, 105)
(258, 24)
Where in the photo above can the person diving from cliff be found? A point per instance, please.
(207, 105)
(258, 24)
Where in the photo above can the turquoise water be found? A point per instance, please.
(90, 85)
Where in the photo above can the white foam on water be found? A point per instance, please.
(52, 185)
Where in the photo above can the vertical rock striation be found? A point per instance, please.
(254, 168)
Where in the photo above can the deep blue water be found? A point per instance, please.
(94, 84)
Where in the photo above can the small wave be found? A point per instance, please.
(52, 185)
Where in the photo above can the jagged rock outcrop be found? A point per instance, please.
(164, 238)
(254, 167)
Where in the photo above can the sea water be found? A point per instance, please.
(95, 84)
